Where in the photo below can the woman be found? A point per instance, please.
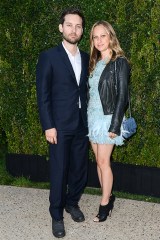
(108, 98)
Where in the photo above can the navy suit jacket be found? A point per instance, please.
(58, 92)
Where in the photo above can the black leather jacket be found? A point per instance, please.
(114, 91)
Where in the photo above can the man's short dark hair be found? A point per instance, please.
(72, 10)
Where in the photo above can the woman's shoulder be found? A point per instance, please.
(122, 59)
(122, 62)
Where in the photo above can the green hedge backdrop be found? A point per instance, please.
(30, 26)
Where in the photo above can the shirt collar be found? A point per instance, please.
(70, 54)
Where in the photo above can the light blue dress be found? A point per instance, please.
(98, 123)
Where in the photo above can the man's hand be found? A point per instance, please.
(51, 135)
(112, 135)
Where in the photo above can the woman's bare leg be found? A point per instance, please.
(95, 150)
(104, 152)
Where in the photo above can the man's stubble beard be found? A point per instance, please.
(75, 41)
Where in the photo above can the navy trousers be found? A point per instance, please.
(68, 169)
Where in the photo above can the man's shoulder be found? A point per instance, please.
(50, 51)
(85, 55)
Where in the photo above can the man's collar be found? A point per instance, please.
(68, 52)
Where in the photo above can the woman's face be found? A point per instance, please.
(101, 38)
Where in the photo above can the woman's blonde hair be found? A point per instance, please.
(114, 45)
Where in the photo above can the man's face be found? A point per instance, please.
(72, 28)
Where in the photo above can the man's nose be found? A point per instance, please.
(73, 29)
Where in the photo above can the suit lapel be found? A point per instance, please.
(82, 67)
(66, 60)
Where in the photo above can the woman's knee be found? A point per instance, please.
(103, 163)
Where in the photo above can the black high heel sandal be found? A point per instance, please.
(105, 211)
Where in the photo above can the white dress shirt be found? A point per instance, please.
(76, 64)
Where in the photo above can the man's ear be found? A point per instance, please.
(60, 28)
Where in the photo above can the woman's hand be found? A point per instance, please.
(112, 135)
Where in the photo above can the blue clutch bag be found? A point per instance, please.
(129, 127)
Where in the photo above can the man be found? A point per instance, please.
(62, 101)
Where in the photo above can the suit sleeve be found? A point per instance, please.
(44, 98)
(123, 75)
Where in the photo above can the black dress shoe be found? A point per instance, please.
(75, 212)
(58, 228)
